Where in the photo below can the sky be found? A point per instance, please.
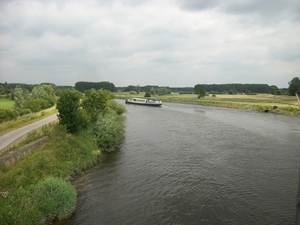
(175, 43)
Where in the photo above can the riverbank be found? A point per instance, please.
(279, 104)
(64, 157)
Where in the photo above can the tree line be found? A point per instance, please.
(83, 86)
(202, 89)
(212, 88)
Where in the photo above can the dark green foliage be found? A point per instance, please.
(294, 85)
(94, 102)
(200, 90)
(3, 90)
(138, 89)
(8, 114)
(147, 95)
(69, 113)
(36, 105)
(130, 88)
(211, 88)
(108, 131)
(232, 91)
(240, 88)
(83, 86)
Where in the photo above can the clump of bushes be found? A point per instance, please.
(7, 114)
(108, 130)
(42, 203)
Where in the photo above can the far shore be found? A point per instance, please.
(278, 104)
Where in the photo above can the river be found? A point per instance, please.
(188, 164)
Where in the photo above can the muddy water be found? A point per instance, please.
(184, 164)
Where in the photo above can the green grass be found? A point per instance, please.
(6, 103)
(63, 156)
(260, 102)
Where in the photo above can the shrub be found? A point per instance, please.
(7, 114)
(147, 94)
(108, 131)
(118, 108)
(36, 105)
(48, 200)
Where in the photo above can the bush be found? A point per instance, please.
(108, 131)
(147, 95)
(7, 115)
(48, 200)
(118, 108)
(36, 105)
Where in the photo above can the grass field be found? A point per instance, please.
(260, 102)
(6, 103)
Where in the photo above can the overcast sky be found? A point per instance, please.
(176, 43)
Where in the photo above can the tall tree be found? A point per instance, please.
(137, 89)
(20, 96)
(294, 85)
(199, 89)
(94, 102)
(69, 113)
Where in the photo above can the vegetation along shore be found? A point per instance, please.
(37, 189)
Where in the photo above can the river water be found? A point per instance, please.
(188, 164)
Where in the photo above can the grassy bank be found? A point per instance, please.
(21, 121)
(25, 196)
(261, 102)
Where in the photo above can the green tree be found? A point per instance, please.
(20, 96)
(199, 89)
(294, 85)
(232, 91)
(95, 102)
(2, 89)
(152, 91)
(137, 89)
(45, 92)
(69, 113)
(147, 95)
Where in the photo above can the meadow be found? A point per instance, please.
(6, 103)
(260, 102)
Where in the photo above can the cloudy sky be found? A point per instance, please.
(176, 43)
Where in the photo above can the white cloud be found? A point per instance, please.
(170, 43)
